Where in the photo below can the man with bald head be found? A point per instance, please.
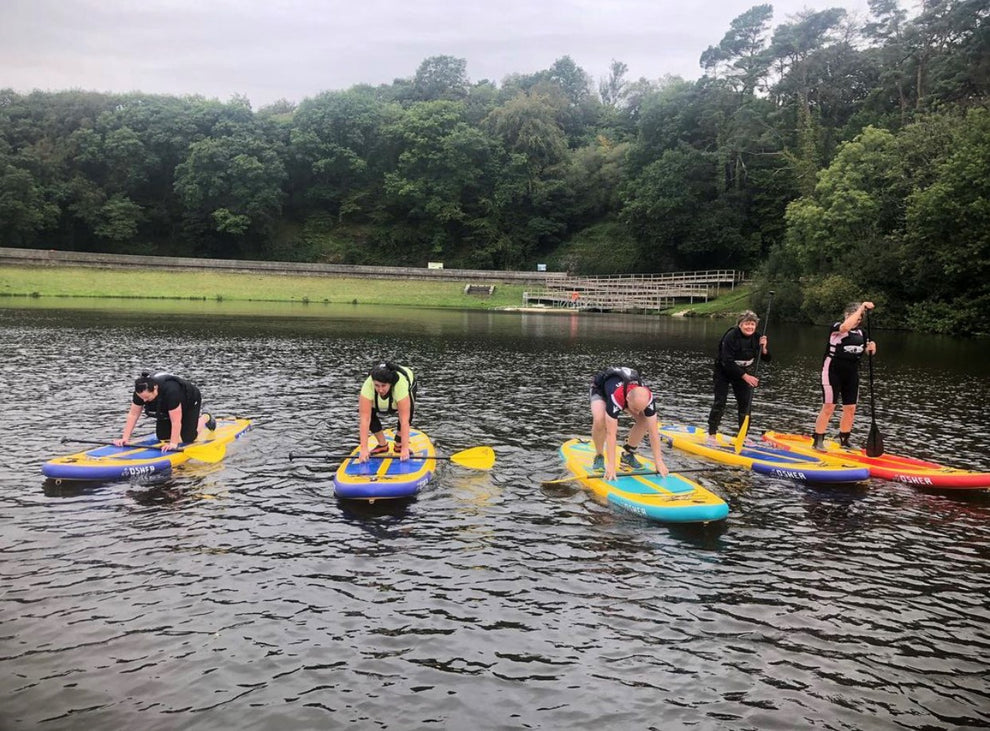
(614, 391)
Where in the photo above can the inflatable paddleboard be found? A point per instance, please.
(764, 460)
(886, 466)
(386, 476)
(141, 457)
(670, 499)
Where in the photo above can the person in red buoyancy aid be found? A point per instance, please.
(614, 391)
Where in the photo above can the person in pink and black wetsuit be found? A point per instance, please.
(840, 372)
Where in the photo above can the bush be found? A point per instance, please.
(826, 298)
(605, 248)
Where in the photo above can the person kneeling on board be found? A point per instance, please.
(389, 389)
(174, 403)
(613, 391)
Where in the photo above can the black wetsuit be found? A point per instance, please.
(173, 392)
(734, 359)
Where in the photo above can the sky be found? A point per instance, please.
(268, 50)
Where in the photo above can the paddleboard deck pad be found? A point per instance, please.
(386, 476)
(140, 458)
(763, 459)
(886, 466)
(670, 499)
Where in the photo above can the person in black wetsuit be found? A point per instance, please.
(734, 367)
(840, 372)
(174, 403)
(613, 391)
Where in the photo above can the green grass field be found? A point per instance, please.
(234, 286)
(44, 282)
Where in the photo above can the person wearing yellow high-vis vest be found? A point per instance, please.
(388, 389)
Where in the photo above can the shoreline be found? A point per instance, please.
(22, 284)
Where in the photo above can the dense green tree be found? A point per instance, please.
(836, 151)
(532, 200)
(24, 211)
(662, 209)
(947, 232)
(889, 55)
(439, 185)
(233, 185)
(338, 153)
(613, 89)
(441, 77)
(741, 54)
(904, 215)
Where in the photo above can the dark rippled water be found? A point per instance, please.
(242, 595)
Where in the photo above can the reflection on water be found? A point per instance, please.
(243, 595)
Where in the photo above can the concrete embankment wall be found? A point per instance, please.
(52, 257)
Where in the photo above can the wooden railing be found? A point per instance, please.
(634, 292)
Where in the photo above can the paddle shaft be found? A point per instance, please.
(869, 368)
(874, 440)
(348, 456)
(475, 458)
(759, 350)
(68, 440)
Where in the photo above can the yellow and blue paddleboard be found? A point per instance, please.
(762, 458)
(670, 499)
(386, 476)
(142, 457)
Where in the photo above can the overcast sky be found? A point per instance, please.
(294, 49)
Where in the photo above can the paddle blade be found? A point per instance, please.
(874, 442)
(211, 452)
(476, 458)
(741, 436)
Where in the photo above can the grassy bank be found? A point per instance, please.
(729, 302)
(234, 286)
(168, 285)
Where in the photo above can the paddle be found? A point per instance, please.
(475, 458)
(874, 440)
(741, 436)
(211, 452)
(562, 480)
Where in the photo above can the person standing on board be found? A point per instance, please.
(613, 391)
(174, 403)
(389, 389)
(733, 367)
(840, 372)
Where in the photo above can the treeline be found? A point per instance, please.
(840, 157)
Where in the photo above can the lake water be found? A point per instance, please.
(242, 595)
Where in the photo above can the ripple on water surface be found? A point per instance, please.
(243, 595)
